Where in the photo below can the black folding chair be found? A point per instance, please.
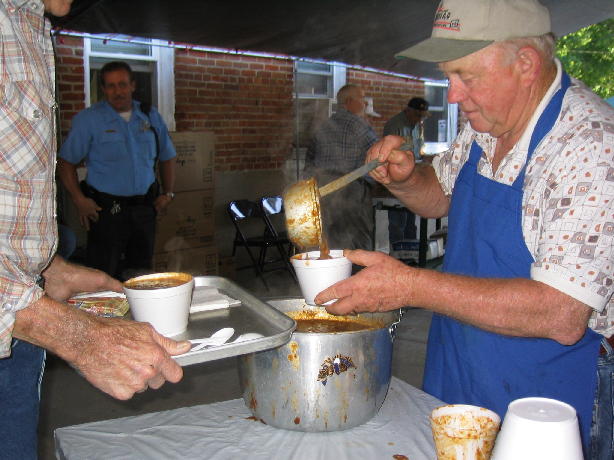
(273, 208)
(246, 216)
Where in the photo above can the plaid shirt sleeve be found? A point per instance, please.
(28, 231)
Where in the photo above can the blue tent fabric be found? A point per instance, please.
(610, 101)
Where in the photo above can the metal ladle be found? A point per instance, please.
(302, 206)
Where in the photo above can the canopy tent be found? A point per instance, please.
(366, 32)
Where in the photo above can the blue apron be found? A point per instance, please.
(467, 365)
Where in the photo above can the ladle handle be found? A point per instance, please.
(349, 177)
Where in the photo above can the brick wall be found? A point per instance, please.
(246, 101)
(69, 78)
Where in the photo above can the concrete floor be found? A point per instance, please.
(68, 399)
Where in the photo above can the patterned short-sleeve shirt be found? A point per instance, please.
(28, 230)
(567, 207)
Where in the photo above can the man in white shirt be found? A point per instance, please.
(528, 190)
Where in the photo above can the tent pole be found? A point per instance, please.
(297, 118)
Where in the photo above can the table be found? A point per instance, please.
(381, 228)
(223, 430)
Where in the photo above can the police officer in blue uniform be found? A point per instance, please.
(122, 142)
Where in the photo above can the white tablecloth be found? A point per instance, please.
(223, 430)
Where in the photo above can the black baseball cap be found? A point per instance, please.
(418, 103)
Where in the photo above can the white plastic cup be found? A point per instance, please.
(464, 432)
(167, 309)
(537, 429)
(316, 275)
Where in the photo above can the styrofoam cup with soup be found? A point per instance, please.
(315, 274)
(162, 300)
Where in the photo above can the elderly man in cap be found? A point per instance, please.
(118, 356)
(337, 147)
(407, 124)
(524, 304)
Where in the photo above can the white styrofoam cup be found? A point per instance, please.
(166, 309)
(316, 275)
(539, 428)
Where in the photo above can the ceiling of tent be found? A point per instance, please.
(357, 32)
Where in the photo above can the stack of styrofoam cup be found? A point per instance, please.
(537, 429)
(315, 275)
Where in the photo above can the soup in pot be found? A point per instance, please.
(321, 322)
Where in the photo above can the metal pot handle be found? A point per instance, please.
(392, 329)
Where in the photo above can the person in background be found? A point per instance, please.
(121, 141)
(339, 146)
(408, 125)
(523, 306)
(118, 356)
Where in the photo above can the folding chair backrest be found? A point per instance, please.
(272, 205)
(243, 209)
(273, 208)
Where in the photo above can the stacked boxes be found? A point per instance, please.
(185, 231)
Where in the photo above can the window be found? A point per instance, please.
(152, 64)
(314, 80)
(315, 89)
(440, 127)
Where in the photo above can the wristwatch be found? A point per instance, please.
(171, 195)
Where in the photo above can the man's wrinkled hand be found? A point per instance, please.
(398, 164)
(64, 279)
(384, 284)
(88, 211)
(162, 202)
(122, 357)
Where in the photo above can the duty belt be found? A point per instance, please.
(117, 202)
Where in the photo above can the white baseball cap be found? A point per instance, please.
(462, 27)
(370, 110)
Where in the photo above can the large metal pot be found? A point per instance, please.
(321, 381)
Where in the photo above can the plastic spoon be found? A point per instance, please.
(247, 336)
(218, 338)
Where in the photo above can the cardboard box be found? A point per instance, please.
(227, 267)
(195, 160)
(186, 223)
(197, 261)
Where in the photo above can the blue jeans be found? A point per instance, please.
(602, 429)
(20, 382)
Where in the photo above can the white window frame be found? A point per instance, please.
(164, 59)
(337, 75)
(451, 120)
